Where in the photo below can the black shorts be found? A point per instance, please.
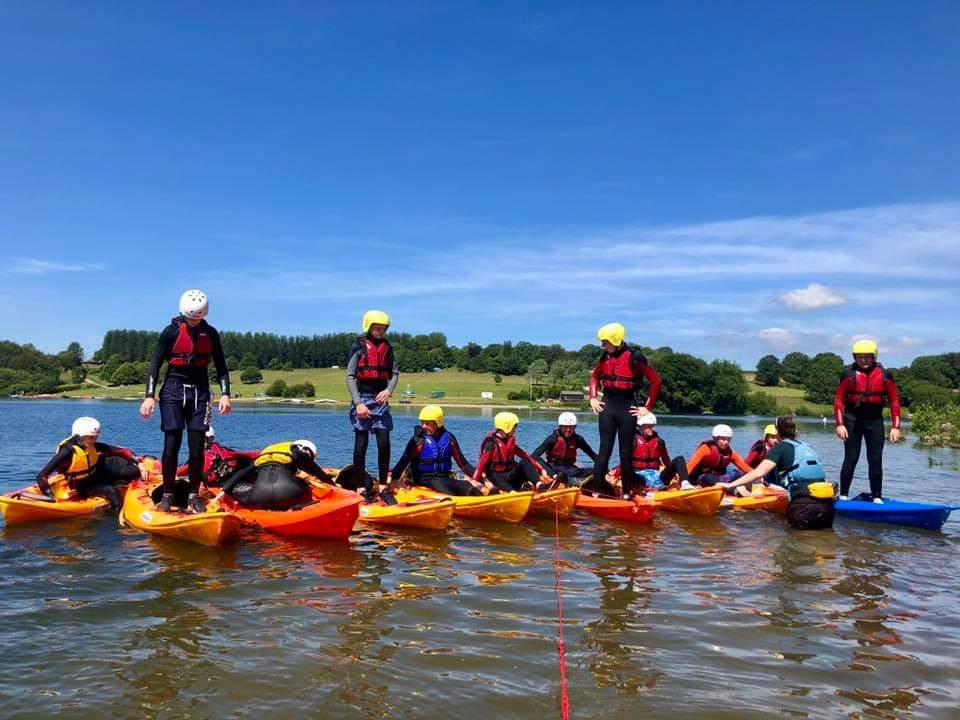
(184, 406)
(808, 513)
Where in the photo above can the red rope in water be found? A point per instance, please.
(561, 645)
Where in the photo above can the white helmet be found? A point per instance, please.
(307, 445)
(648, 419)
(210, 434)
(194, 304)
(85, 426)
(722, 431)
(567, 419)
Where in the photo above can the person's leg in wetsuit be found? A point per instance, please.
(277, 489)
(851, 452)
(601, 487)
(676, 469)
(383, 454)
(501, 481)
(524, 476)
(448, 484)
(361, 441)
(106, 481)
(875, 437)
(240, 484)
(617, 425)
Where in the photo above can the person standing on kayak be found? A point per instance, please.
(188, 345)
(219, 461)
(497, 463)
(271, 482)
(430, 455)
(858, 412)
(90, 467)
(561, 448)
(372, 376)
(797, 468)
(619, 375)
(709, 463)
(650, 454)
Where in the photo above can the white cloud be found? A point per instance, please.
(780, 338)
(812, 297)
(34, 266)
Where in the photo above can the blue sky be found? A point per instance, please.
(729, 181)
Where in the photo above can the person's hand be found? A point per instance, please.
(382, 397)
(639, 411)
(842, 432)
(596, 406)
(147, 407)
(363, 412)
(724, 485)
(894, 435)
(144, 473)
(225, 405)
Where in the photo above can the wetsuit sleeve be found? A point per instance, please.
(410, 452)
(839, 400)
(697, 457)
(640, 360)
(59, 462)
(522, 454)
(582, 444)
(890, 387)
(113, 451)
(160, 353)
(311, 468)
(395, 377)
(486, 452)
(352, 376)
(594, 381)
(223, 374)
(460, 458)
(543, 447)
(738, 461)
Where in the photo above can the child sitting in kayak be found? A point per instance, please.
(561, 448)
(708, 466)
(219, 461)
(90, 467)
(497, 451)
(430, 454)
(759, 449)
(270, 483)
(650, 454)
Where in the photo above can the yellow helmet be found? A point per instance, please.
(505, 421)
(432, 413)
(822, 490)
(770, 430)
(613, 333)
(865, 347)
(374, 317)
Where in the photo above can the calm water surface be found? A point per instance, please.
(734, 616)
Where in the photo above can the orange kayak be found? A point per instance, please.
(772, 500)
(429, 513)
(696, 501)
(554, 503)
(638, 510)
(214, 527)
(508, 507)
(30, 505)
(331, 515)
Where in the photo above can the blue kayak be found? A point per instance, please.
(929, 516)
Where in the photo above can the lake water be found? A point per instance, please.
(733, 616)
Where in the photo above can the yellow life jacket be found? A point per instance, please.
(281, 453)
(82, 463)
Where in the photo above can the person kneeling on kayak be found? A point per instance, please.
(497, 463)
(270, 483)
(708, 466)
(799, 470)
(430, 455)
(650, 454)
(561, 448)
(90, 467)
(219, 461)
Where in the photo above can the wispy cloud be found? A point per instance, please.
(34, 266)
(812, 297)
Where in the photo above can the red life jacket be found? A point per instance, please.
(564, 451)
(502, 460)
(717, 461)
(866, 387)
(187, 352)
(646, 452)
(759, 450)
(373, 364)
(617, 371)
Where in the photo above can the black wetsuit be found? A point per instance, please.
(557, 465)
(440, 481)
(273, 485)
(185, 400)
(115, 468)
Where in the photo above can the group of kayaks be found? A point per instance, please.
(333, 511)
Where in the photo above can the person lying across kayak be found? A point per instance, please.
(561, 448)
(219, 461)
(650, 454)
(497, 452)
(797, 468)
(858, 412)
(708, 466)
(430, 455)
(90, 467)
(270, 483)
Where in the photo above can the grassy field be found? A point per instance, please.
(788, 398)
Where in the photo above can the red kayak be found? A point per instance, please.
(638, 510)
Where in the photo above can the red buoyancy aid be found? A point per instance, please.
(617, 371)
(716, 461)
(187, 352)
(373, 363)
(564, 451)
(502, 460)
(646, 452)
(866, 387)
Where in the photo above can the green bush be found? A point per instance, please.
(250, 376)
(274, 364)
(762, 404)
(277, 389)
(937, 424)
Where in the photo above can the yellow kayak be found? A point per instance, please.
(507, 507)
(554, 503)
(29, 505)
(431, 513)
(773, 500)
(696, 501)
(212, 528)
